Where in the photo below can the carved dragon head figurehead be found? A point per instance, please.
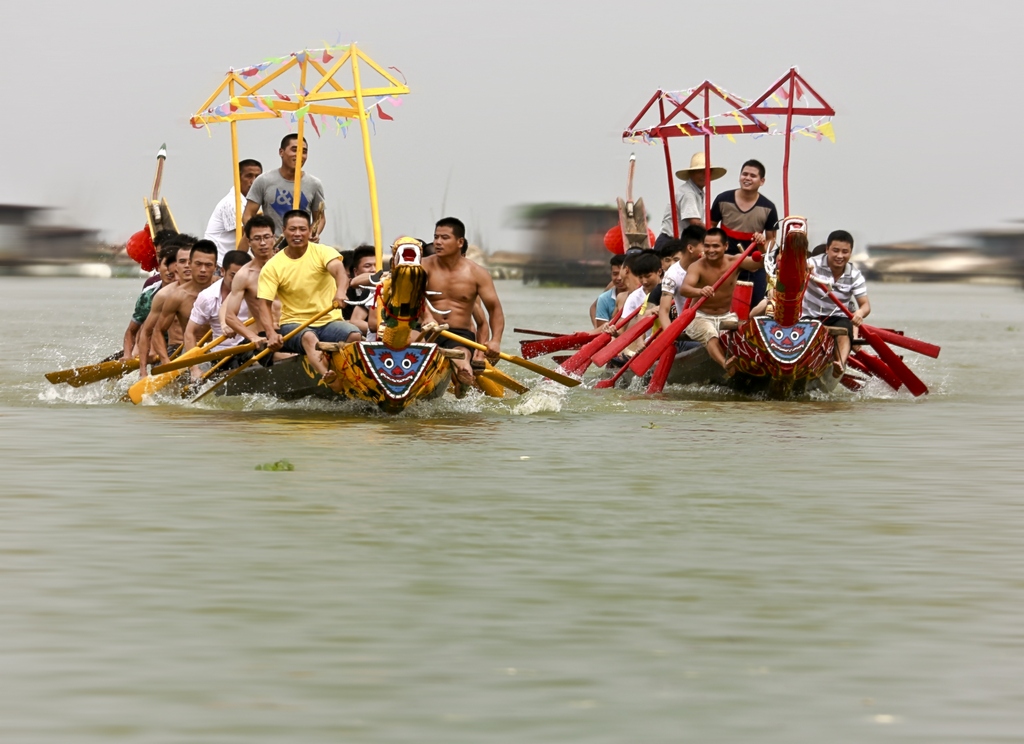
(791, 271)
(403, 294)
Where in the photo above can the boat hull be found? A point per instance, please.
(357, 378)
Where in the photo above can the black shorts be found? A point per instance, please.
(839, 321)
(446, 343)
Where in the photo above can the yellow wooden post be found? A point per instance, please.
(300, 143)
(234, 168)
(371, 177)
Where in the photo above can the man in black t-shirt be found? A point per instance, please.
(745, 214)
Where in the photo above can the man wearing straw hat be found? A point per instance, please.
(689, 198)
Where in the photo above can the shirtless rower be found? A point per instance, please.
(717, 307)
(460, 282)
(147, 341)
(307, 277)
(144, 303)
(178, 304)
(259, 231)
(205, 313)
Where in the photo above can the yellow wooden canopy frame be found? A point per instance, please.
(328, 96)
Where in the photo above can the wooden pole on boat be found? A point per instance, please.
(371, 176)
(532, 366)
(161, 156)
(238, 175)
(789, 139)
(668, 165)
(577, 364)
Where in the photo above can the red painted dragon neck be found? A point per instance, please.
(791, 279)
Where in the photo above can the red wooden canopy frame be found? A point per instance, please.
(791, 86)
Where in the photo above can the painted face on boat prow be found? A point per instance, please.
(407, 251)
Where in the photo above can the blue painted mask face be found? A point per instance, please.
(396, 370)
(787, 344)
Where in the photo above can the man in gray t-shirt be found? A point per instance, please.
(273, 192)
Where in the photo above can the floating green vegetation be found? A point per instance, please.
(279, 465)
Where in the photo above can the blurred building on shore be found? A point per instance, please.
(566, 243)
(993, 256)
(31, 245)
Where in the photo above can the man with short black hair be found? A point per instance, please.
(745, 215)
(691, 248)
(363, 265)
(205, 313)
(460, 282)
(274, 191)
(177, 304)
(603, 309)
(717, 306)
(847, 283)
(221, 227)
(306, 277)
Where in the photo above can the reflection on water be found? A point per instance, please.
(609, 567)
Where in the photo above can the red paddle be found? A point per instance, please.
(616, 347)
(898, 339)
(660, 376)
(578, 362)
(912, 381)
(878, 368)
(538, 347)
(646, 358)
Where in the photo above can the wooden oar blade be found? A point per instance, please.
(577, 364)
(893, 362)
(912, 344)
(539, 347)
(532, 366)
(643, 361)
(660, 376)
(617, 346)
(879, 369)
(501, 378)
(93, 373)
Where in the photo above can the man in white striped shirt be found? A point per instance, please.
(847, 283)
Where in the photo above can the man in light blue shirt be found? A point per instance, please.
(604, 306)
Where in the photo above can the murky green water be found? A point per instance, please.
(588, 566)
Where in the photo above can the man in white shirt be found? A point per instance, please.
(691, 246)
(221, 227)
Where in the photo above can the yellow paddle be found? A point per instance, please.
(213, 356)
(496, 375)
(153, 383)
(91, 373)
(262, 354)
(539, 369)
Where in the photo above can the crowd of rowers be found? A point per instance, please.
(662, 280)
(279, 276)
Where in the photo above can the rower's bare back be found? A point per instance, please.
(721, 302)
(459, 289)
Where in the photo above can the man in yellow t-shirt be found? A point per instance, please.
(306, 277)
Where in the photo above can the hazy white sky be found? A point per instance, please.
(521, 102)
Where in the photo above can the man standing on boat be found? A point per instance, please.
(717, 307)
(306, 277)
(745, 214)
(689, 199)
(221, 227)
(460, 282)
(833, 267)
(273, 192)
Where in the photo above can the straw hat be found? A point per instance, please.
(697, 164)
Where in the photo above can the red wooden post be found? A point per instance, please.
(668, 164)
(707, 160)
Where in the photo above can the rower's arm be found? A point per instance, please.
(146, 333)
(251, 208)
(360, 319)
(663, 309)
(689, 288)
(193, 331)
(156, 338)
(863, 311)
(496, 316)
(483, 333)
(130, 334)
(749, 264)
(336, 268)
(229, 314)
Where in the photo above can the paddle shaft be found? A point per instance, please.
(262, 354)
(641, 327)
(646, 358)
(539, 369)
(213, 356)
